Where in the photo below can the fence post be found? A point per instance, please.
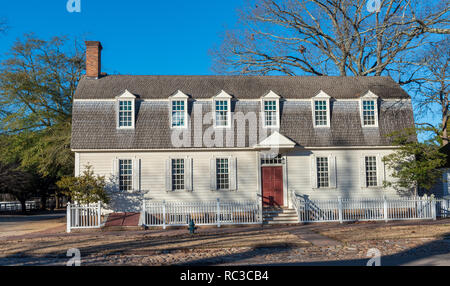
(340, 209)
(68, 217)
(385, 209)
(433, 208)
(164, 214)
(218, 212)
(99, 213)
(143, 216)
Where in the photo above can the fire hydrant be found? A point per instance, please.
(192, 227)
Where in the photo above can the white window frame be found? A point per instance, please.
(126, 96)
(179, 96)
(132, 173)
(322, 96)
(366, 172)
(369, 96)
(380, 170)
(184, 173)
(328, 172)
(229, 173)
(222, 96)
(271, 96)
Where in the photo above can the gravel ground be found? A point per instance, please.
(403, 243)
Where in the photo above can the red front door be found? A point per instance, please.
(272, 186)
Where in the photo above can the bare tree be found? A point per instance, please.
(432, 87)
(328, 37)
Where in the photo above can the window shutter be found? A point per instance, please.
(313, 172)
(233, 173)
(212, 175)
(136, 174)
(188, 174)
(362, 171)
(332, 170)
(115, 174)
(380, 170)
(168, 175)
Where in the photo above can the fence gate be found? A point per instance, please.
(83, 216)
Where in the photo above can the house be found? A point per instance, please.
(199, 138)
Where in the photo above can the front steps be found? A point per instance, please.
(281, 215)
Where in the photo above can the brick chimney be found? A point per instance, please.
(93, 59)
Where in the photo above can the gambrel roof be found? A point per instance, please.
(94, 109)
(241, 87)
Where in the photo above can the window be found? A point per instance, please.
(371, 171)
(369, 112)
(270, 159)
(125, 113)
(320, 113)
(222, 174)
(322, 172)
(125, 175)
(270, 113)
(178, 174)
(178, 113)
(221, 107)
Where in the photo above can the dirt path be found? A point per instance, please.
(405, 243)
(22, 225)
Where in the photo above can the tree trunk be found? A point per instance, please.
(57, 201)
(43, 203)
(24, 206)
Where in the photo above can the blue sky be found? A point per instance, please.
(138, 36)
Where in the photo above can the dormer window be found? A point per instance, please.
(125, 113)
(178, 113)
(178, 107)
(369, 110)
(126, 110)
(321, 110)
(271, 110)
(222, 110)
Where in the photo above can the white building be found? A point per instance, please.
(196, 138)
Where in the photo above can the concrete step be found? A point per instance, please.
(276, 218)
(280, 214)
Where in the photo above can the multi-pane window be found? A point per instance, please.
(322, 172)
(125, 175)
(320, 112)
(221, 107)
(178, 174)
(178, 113)
(272, 160)
(222, 174)
(371, 171)
(368, 112)
(125, 113)
(270, 113)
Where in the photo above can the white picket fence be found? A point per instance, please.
(218, 213)
(17, 206)
(363, 209)
(83, 216)
(443, 208)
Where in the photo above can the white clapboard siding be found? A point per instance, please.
(212, 174)
(168, 174)
(313, 171)
(188, 174)
(380, 170)
(332, 170)
(350, 173)
(155, 177)
(362, 171)
(136, 174)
